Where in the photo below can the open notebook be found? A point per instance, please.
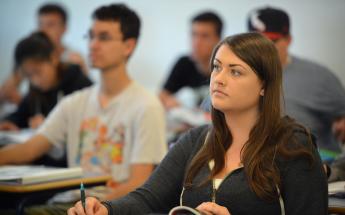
(23, 175)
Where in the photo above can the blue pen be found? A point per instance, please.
(82, 194)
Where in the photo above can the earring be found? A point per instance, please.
(262, 92)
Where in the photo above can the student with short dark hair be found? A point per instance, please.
(49, 79)
(115, 127)
(210, 17)
(192, 70)
(54, 9)
(52, 20)
(251, 160)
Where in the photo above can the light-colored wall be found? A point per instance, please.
(318, 30)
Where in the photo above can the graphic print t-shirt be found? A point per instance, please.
(108, 140)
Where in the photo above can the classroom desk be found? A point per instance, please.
(73, 182)
(336, 206)
(18, 196)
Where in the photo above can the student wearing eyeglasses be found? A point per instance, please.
(115, 127)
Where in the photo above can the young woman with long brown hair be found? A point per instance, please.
(251, 160)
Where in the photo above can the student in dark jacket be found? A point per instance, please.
(251, 160)
(50, 80)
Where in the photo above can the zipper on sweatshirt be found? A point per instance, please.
(214, 189)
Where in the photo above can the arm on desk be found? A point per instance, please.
(168, 100)
(25, 152)
(139, 174)
(8, 126)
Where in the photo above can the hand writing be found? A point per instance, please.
(92, 207)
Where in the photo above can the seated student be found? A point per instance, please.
(52, 20)
(314, 96)
(115, 127)
(193, 71)
(251, 160)
(49, 78)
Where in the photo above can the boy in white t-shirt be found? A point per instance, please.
(114, 127)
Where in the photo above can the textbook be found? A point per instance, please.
(23, 175)
(184, 210)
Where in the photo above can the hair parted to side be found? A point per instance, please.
(128, 19)
(210, 17)
(36, 46)
(271, 137)
(54, 8)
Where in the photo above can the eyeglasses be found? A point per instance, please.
(101, 37)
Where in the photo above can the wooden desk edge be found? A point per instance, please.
(53, 184)
(336, 209)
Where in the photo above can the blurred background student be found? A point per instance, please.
(192, 71)
(50, 80)
(313, 95)
(188, 82)
(51, 19)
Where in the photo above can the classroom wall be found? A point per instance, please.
(318, 30)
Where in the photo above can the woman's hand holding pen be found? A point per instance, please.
(92, 207)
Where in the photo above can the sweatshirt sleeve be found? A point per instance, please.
(304, 186)
(162, 190)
